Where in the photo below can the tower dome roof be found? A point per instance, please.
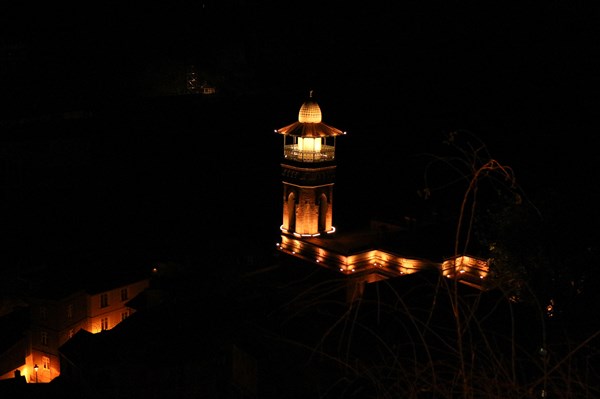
(310, 112)
(309, 122)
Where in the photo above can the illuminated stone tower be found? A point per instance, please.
(308, 173)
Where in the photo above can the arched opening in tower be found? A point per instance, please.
(323, 206)
(291, 212)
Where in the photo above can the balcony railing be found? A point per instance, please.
(291, 152)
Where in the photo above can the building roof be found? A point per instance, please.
(310, 122)
(425, 241)
(53, 282)
(13, 328)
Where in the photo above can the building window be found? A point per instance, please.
(124, 315)
(103, 300)
(70, 311)
(46, 362)
(104, 323)
(124, 294)
(44, 338)
(43, 313)
(71, 333)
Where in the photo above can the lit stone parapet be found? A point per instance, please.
(383, 264)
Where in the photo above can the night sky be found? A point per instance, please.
(522, 78)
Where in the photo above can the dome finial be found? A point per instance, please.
(310, 92)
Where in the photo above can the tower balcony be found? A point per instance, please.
(292, 152)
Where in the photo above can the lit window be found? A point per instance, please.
(103, 300)
(104, 323)
(124, 294)
(46, 362)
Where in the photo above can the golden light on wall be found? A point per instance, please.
(375, 265)
(408, 266)
(463, 266)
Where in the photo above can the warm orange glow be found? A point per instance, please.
(381, 263)
(308, 176)
(310, 112)
(465, 267)
(309, 144)
(368, 261)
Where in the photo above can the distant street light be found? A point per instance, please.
(36, 374)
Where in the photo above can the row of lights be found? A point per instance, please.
(380, 265)
(342, 269)
(462, 271)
